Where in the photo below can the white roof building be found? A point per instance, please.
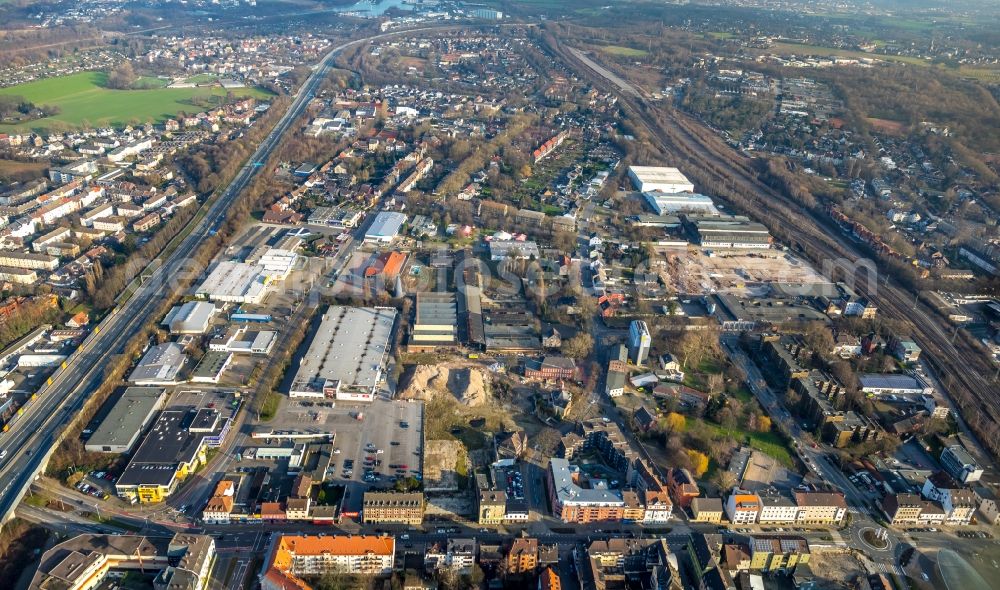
(193, 317)
(673, 203)
(659, 178)
(501, 249)
(568, 493)
(235, 282)
(385, 227)
(161, 365)
(278, 263)
(346, 358)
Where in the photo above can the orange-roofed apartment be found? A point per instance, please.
(742, 507)
(291, 556)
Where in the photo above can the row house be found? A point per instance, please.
(958, 503)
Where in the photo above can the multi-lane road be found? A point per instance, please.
(33, 436)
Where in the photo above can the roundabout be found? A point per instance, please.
(875, 538)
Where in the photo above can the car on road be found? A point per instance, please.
(3, 453)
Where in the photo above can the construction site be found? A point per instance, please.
(696, 271)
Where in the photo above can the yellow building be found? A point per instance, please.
(297, 509)
(821, 507)
(392, 508)
(706, 510)
(771, 554)
(492, 506)
(174, 449)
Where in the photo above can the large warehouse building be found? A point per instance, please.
(731, 233)
(659, 178)
(235, 282)
(161, 365)
(385, 227)
(128, 417)
(436, 320)
(347, 356)
(173, 449)
(193, 317)
(674, 203)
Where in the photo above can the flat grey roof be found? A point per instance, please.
(505, 248)
(127, 417)
(192, 316)
(713, 226)
(212, 363)
(386, 224)
(349, 346)
(570, 493)
(437, 309)
(161, 363)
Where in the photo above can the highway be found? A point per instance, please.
(35, 433)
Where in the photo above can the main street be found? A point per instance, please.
(815, 459)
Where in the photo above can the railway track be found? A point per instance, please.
(705, 158)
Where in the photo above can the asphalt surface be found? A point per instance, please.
(817, 462)
(35, 433)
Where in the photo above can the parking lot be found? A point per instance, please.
(373, 443)
(97, 484)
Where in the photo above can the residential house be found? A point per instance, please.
(706, 510)
(522, 556)
(902, 508)
(743, 507)
(828, 508)
(683, 487)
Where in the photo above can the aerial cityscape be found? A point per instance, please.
(448, 295)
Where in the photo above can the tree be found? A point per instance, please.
(715, 383)
(726, 479)
(818, 338)
(122, 77)
(673, 422)
(565, 241)
(695, 345)
(579, 346)
(727, 418)
(699, 462)
(763, 424)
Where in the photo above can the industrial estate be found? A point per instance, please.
(437, 295)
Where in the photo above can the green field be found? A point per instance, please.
(770, 443)
(84, 98)
(802, 49)
(202, 78)
(984, 74)
(624, 51)
(149, 82)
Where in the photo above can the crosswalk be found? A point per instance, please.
(888, 568)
